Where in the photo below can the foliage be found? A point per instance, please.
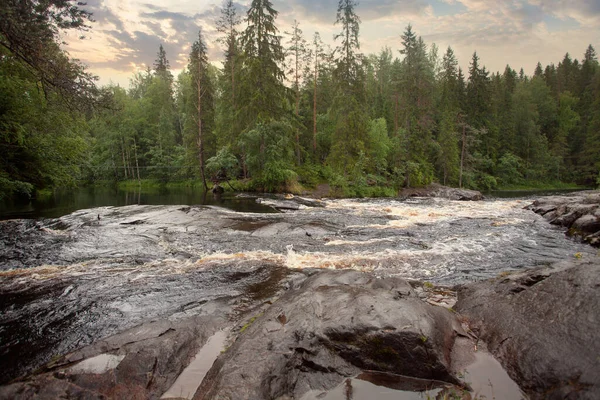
(366, 124)
(509, 167)
(261, 75)
(223, 166)
(30, 31)
(42, 143)
(270, 152)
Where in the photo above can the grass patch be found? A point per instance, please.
(540, 186)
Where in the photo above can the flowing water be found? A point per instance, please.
(66, 282)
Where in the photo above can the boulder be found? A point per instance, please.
(543, 327)
(587, 223)
(335, 325)
(579, 213)
(436, 190)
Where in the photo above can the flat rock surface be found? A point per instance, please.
(543, 326)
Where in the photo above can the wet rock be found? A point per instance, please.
(587, 223)
(141, 363)
(281, 205)
(334, 326)
(50, 315)
(25, 242)
(579, 213)
(543, 326)
(444, 192)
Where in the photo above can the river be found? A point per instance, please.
(65, 201)
(67, 282)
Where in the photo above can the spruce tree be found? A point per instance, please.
(348, 109)
(227, 25)
(161, 65)
(262, 75)
(299, 56)
(201, 101)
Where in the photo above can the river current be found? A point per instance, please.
(69, 281)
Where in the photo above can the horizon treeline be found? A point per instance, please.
(286, 111)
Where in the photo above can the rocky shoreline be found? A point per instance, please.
(278, 332)
(578, 212)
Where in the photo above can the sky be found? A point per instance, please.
(126, 35)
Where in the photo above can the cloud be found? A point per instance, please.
(324, 11)
(132, 40)
(519, 32)
(102, 14)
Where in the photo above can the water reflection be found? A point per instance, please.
(63, 202)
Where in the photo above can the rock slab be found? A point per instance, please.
(543, 326)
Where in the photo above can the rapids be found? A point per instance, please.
(69, 281)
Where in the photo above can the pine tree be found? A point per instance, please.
(585, 108)
(590, 157)
(33, 32)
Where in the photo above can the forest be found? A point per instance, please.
(284, 112)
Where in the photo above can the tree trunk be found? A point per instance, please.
(123, 155)
(462, 154)
(233, 80)
(396, 113)
(299, 160)
(200, 139)
(137, 165)
(129, 164)
(315, 114)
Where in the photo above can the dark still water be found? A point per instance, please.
(64, 202)
(530, 194)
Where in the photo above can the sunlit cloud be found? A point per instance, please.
(126, 35)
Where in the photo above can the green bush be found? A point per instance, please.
(485, 182)
(223, 166)
(275, 178)
(309, 175)
(10, 188)
(509, 167)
